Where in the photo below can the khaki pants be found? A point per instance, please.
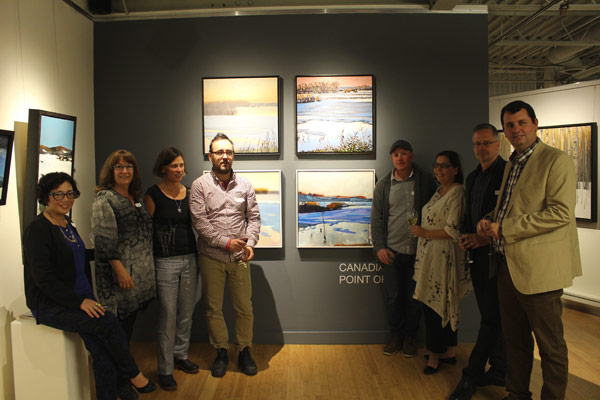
(237, 274)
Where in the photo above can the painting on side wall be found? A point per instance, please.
(335, 114)
(52, 136)
(267, 186)
(6, 145)
(333, 208)
(246, 109)
(580, 142)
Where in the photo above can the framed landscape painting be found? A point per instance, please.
(50, 148)
(335, 114)
(267, 186)
(333, 208)
(580, 142)
(6, 145)
(246, 109)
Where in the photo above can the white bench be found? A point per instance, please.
(48, 363)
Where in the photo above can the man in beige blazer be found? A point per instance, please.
(535, 235)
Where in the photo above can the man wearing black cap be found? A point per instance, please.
(406, 188)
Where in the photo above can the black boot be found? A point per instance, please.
(247, 364)
(219, 367)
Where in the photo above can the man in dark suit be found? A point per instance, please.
(535, 234)
(482, 191)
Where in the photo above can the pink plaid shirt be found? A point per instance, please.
(221, 214)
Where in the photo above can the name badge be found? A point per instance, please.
(138, 205)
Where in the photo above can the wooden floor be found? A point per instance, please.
(320, 372)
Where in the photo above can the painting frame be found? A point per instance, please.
(580, 142)
(348, 208)
(6, 150)
(322, 124)
(266, 216)
(50, 148)
(262, 110)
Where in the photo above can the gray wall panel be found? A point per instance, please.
(431, 88)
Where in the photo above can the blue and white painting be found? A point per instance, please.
(267, 186)
(334, 208)
(334, 114)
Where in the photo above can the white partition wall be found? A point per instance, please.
(562, 105)
(46, 62)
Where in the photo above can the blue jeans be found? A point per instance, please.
(176, 287)
(105, 340)
(404, 312)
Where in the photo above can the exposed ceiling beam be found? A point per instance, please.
(524, 23)
(568, 43)
(522, 11)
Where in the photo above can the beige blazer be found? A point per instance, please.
(539, 229)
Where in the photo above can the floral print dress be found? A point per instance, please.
(440, 272)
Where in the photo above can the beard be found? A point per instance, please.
(222, 168)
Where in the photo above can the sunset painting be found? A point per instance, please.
(245, 109)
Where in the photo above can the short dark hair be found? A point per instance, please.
(51, 181)
(454, 159)
(485, 125)
(107, 176)
(166, 157)
(516, 106)
(219, 136)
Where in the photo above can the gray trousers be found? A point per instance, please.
(176, 287)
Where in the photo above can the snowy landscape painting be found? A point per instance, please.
(57, 140)
(6, 143)
(267, 186)
(245, 109)
(335, 114)
(334, 208)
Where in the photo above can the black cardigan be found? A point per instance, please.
(49, 263)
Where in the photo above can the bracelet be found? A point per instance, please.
(228, 244)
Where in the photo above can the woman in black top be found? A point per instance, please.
(59, 292)
(175, 265)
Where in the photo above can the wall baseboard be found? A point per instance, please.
(581, 304)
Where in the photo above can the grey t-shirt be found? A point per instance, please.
(402, 199)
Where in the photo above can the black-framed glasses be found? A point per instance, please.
(442, 165)
(221, 153)
(120, 167)
(71, 194)
(485, 143)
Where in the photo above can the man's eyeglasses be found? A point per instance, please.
(71, 194)
(442, 165)
(483, 144)
(120, 167)
(221, 153)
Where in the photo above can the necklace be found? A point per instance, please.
(178, 202)
(68, 234)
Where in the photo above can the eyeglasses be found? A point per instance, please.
(120, 167)
(483, 144)
(221, 153)
(71, 194)
(442, 165)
